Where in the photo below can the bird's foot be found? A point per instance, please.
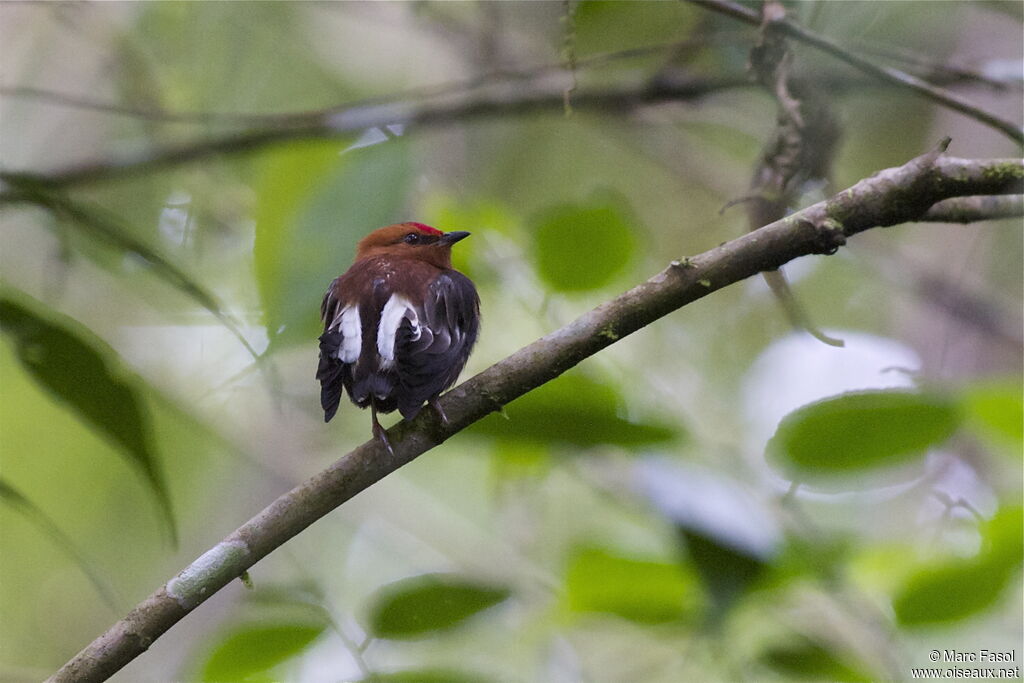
(380, 433)
(436, 405)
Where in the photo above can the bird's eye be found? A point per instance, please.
(412, 238)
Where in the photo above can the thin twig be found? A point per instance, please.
(933, 70)
(971, 209)
(290, 118)
(345, 122)
(895, 76)
(890, 197)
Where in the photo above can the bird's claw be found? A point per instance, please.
(380, 433)
(436, 405)
(383, 438)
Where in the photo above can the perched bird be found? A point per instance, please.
(398, 325)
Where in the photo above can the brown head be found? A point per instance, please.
(413, 241)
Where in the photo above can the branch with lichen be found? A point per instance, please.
(892, 196)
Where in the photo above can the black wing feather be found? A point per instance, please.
(448, 328)
(334, 375)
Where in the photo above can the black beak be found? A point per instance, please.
(453, 237)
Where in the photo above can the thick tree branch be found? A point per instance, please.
(893, 196)
(889, 74)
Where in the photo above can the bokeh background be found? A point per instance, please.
(622, 523)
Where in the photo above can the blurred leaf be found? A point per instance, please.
(726, 571)
(997, 411)
(730, 538)
(520, 459)
(884, 115)
(426, 676)
(644, 591)
(16, 500)
(861, 430)
(291, 175)
(475, 215)
(881, 566)
(708, 503)
(948, 592)
(313, 208)
(611, 25)
(811, 660)
(571, 409)
(818, 558)
(433, 602)
(450, 213)
(72, 366)
(959, 588)
(246, 653)
(579, 247)
(105, 228)
(207, 57)
(1003, 536)
(304, 593)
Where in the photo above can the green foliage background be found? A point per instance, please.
(632, 520)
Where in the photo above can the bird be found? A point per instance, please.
(399, 324)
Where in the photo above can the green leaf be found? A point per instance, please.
(18, 501)
(426, 676)
(644, 591)
(72, 366)
(808, 659)
(577, 247)
(859, 431)
(246, 653)
(571, 409)
(1003, 536)
(958, 588)
(314, 206)
(611, 25)
(726, 571)
(432, 602)
(996, 410)
(949, 592)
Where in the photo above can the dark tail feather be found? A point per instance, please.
(330, 373)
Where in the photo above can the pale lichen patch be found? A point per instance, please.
(212, 569)
(608, 332)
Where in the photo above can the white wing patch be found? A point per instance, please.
(351, 329)
(395, 310)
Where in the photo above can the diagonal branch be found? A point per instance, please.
(889, 74)
(892, 196)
